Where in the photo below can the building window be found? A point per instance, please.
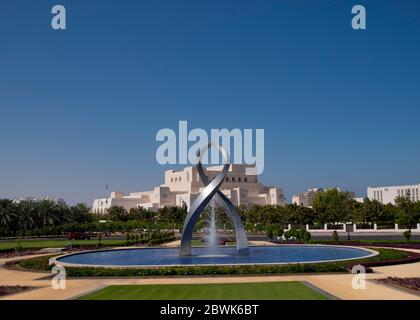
(233, 178)
(227, 179)
(245, 179)
(239, 179)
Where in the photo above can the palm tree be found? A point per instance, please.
(47, 212)
(25, 215)
(7, 213)
(80, 213)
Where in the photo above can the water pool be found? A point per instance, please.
(278, 254)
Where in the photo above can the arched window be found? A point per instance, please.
(239, 179)
(245, 179)
(233, 178)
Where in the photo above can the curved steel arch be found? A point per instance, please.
(212, 190)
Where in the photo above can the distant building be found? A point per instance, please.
(182, 187)
(361, 200)
(306, 199)
(34, 199)
(387, 195)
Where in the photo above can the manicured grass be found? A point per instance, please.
(37, 264)
(39, 244)
(291, 290)
(197, 243)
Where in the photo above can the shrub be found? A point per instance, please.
(128, 239)
(18, 246)
(307, 237)
(269, 232)
(277, 231)
(407, 235)
(99, 243)
(298, 234)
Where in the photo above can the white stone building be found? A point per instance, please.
(387, 195)
(306, 198)
(182, 187)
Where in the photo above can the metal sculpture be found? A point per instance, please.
(212, 190)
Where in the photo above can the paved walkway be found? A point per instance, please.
(339, 285)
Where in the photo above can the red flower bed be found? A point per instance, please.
(409, 283)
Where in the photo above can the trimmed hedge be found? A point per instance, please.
(207, 270)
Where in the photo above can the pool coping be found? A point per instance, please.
(55, 260)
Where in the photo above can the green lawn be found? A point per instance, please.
(38, 244)
(291, 290)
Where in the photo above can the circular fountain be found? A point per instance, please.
(242, 254)
(157, 257)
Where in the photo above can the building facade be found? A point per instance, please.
(387, 195)
(306, 199)
(183, 186)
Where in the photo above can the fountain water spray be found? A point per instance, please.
(212, 236)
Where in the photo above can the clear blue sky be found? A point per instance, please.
(81, 108)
